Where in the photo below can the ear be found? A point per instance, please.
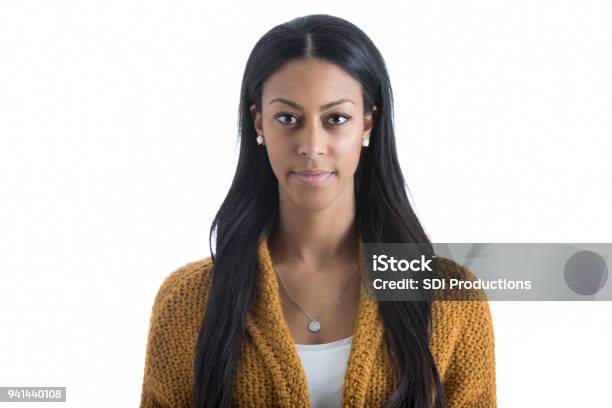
(257, 120)
(368, 122)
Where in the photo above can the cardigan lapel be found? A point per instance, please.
(270, 332)
(366, 341)
(271, 335)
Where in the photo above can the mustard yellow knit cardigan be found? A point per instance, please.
(270, 373)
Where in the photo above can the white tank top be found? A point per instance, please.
(324, 366)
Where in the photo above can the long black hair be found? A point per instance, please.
(250, 209)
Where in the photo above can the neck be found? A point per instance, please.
(315, 239)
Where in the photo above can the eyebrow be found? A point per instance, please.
(321, 108)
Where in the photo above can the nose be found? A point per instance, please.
(312, 141)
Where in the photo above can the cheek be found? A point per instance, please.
(347, 156)
(278, 160)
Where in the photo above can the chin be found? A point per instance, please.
(312, 203)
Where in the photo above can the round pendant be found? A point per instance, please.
(314, 326)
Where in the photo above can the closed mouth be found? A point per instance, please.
(313, 177)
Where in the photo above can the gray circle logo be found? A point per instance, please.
(586, 272)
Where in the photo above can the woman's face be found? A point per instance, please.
(312, 120)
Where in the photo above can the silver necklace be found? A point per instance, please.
(314, 325)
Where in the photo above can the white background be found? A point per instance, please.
(118, 144)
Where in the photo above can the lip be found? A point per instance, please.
(312, 177)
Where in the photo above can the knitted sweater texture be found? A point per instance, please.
(270, 374)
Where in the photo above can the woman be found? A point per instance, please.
(281, 314)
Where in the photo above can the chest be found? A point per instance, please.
(264, 381)
(335, 320)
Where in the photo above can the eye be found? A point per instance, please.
(345, 118)
(286, 115)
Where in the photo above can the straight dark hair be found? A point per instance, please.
(250, 209)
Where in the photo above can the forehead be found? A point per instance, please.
(311, 81)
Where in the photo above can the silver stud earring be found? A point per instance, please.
(365, 142)
(260, 139)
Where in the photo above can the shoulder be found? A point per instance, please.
(459, 305)
(463, 341)
(462, 323)
(173, 329)
(195, 272)
(189, 282)
(467, 319)
(448, 269)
